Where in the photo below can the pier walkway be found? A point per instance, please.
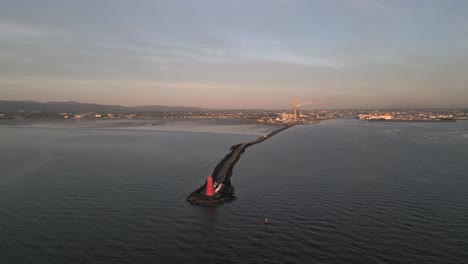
(224, 192)
(221, 175)
(227, 166)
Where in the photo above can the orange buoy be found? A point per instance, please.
(266, 220)
(209, 186)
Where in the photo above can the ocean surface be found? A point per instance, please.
(342, 191)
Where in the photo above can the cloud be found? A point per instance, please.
(307, 103)
(374, 5)
(10, 29)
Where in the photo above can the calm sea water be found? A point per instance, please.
(342, 191)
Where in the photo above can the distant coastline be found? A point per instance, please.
(410, 121)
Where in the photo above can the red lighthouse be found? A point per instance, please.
(209, 186)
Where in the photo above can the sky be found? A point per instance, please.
(236, 53)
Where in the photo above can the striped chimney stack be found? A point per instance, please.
(295, 108)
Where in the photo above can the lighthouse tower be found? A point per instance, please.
(209, 187)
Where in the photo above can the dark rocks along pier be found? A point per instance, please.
(223, 190)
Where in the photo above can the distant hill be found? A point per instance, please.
(56, 107)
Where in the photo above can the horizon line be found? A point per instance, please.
(232, 109)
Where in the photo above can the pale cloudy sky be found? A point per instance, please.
(236, 53)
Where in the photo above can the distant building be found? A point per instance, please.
(285, 116)
(381, 117)
(375, 117)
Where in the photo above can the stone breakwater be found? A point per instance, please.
(224, 192)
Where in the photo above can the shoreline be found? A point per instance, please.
(415, 121)
(240, 127)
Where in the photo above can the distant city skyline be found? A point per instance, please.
(236, 54)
